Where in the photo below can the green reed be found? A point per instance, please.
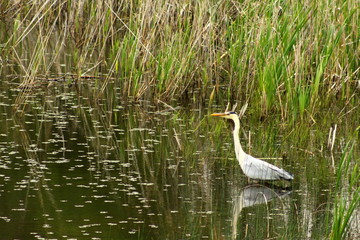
(347, 198)
(288, 57)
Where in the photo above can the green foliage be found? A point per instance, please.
(348, 193)
(282, 56)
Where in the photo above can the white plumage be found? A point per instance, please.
(252, 167)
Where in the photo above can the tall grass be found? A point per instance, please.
(347, 194)
(284, 55)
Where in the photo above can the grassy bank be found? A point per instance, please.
(288, 56)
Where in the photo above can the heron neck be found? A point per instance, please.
(240, 154)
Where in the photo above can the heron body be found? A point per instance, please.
(252, 167)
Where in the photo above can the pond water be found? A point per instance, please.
(78, 166)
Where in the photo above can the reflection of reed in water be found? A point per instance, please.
(253, 195)
(34, 180)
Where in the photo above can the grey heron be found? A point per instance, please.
(252, 167)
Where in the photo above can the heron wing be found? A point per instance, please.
(259, 169)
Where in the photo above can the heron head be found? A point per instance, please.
(231, 116)
(227, 115)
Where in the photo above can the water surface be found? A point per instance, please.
(78, 166)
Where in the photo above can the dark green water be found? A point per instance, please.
(74, 166)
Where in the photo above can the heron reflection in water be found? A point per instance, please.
(255, 195)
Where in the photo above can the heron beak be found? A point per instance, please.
(218, 114)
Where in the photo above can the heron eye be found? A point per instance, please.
(232, 112)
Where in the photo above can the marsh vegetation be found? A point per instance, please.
(104, 127)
